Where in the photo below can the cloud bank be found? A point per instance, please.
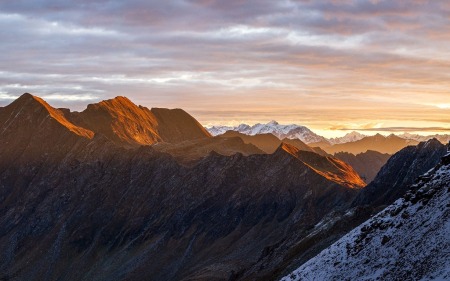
(316, 63)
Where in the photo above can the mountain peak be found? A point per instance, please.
(29, 104)
(28, 98)
(291, 131)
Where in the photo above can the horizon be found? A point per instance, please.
(336, 133)
(333, 66)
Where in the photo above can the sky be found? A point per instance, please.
(334, 66)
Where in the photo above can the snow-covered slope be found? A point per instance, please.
(350, 137)
(291, 131)
(409, 240)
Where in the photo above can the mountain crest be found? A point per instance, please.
(28, 104)
(329, 167)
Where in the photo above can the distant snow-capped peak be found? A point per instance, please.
(291, 131)
(350, 137)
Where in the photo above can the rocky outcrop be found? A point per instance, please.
(409, 240)
(400, 171)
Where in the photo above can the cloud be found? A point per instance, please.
(400, 129)
(315, 62)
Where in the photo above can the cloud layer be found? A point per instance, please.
(336, 63)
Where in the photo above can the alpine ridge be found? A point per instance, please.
(400, 171)
(410, 239)
(128, 124)
(76, 205)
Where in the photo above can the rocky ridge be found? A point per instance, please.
(410, 239)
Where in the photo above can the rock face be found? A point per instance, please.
(367, 164)
(77, 204)
(409, 240)
(121, 121)
(400, 171)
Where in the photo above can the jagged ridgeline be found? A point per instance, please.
(122, 192)
(82, 199)
(408, 240)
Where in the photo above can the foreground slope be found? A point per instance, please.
(410, 239)
(400, 171)
(103, 213)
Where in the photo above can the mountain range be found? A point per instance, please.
(122, 192)
(71, 192)
(352, 142)
(291, 131)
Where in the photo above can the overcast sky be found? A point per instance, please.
(337, 64)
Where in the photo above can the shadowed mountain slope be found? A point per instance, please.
(29, 126)
(266, 142)
(392, 182)
(303, 146)
(409, 240)
(80, 208)
(176, 125)
(189, 152)
(367, 164)
(390, 144)
(400, 171)
(269, 143)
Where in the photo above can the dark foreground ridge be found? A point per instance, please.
(409, 240)
(77, 204)
(82, 199)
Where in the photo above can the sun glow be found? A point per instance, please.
(443, 105)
